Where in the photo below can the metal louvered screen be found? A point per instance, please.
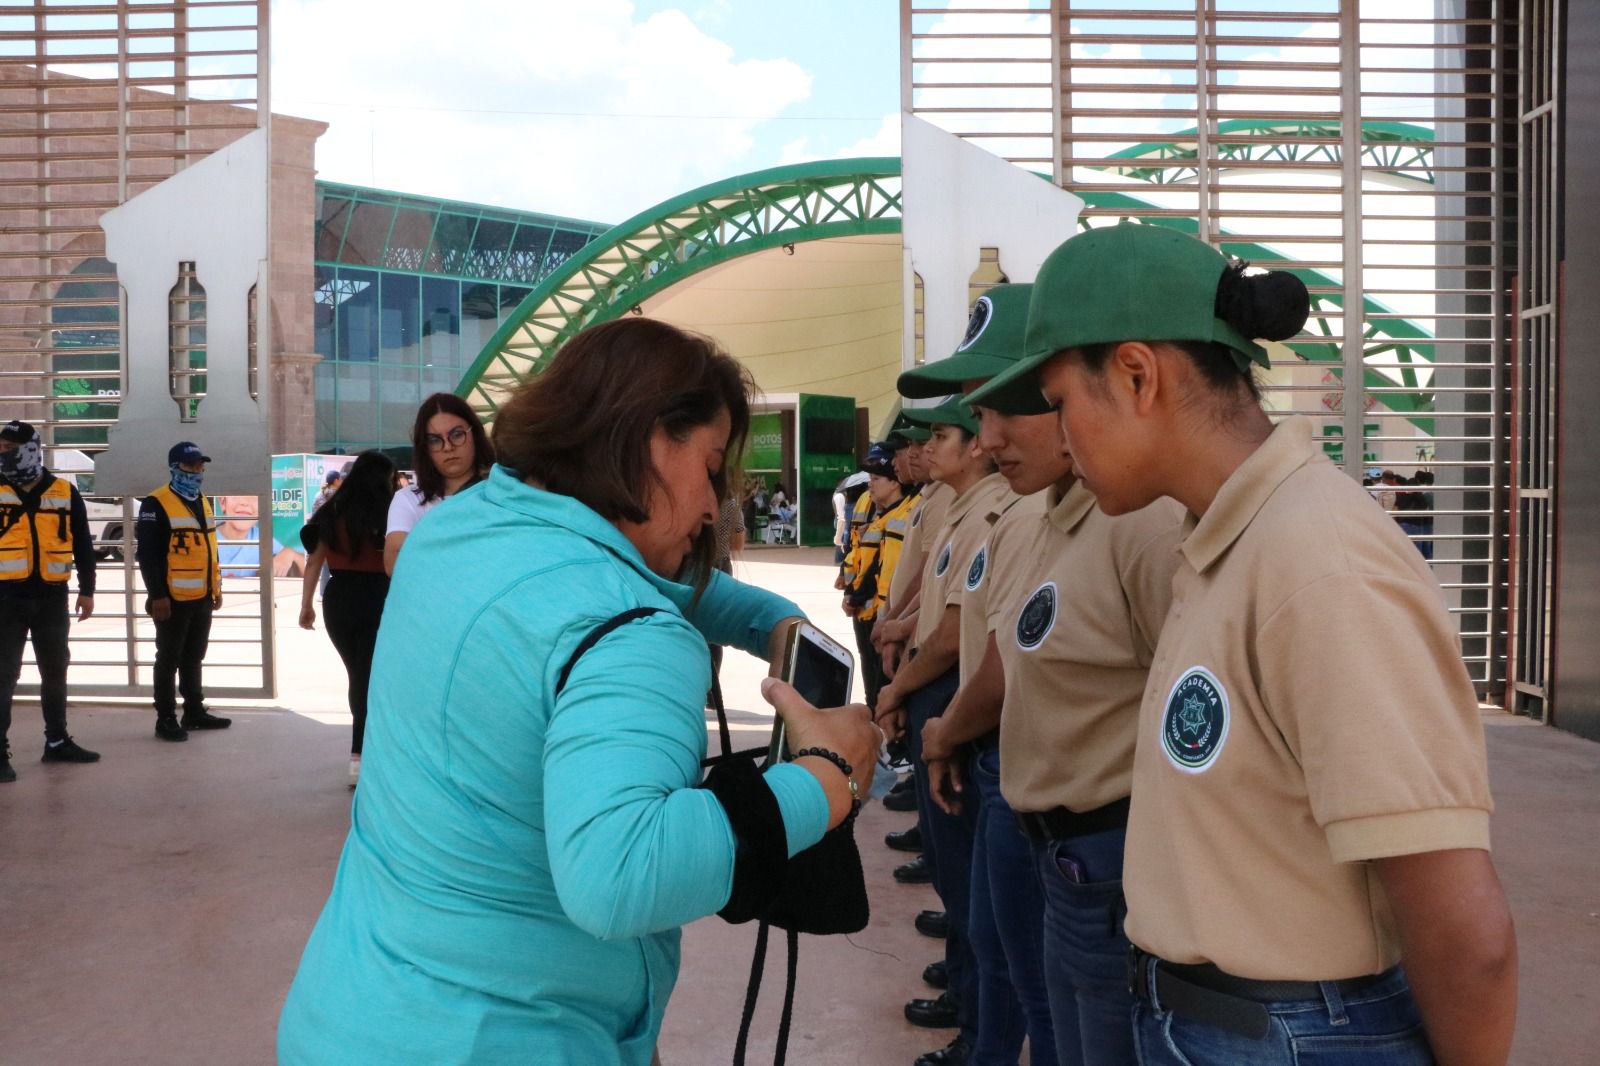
(1362, 145)
(99, 102)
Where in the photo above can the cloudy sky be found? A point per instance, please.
(595, 109)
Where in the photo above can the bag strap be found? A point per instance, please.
(599, 633)
(753, 991)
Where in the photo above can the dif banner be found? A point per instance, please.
(296, 482)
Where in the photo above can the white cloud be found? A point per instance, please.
(575, 109)
(885, 140)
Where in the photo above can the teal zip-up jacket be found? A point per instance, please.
(519, 865)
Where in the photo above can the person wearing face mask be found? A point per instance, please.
(533, 826)
(176, 546)
(44, 532)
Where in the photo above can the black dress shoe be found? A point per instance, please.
(941, 1013)
(933, 923)
(905, 840)
(934, 975)
(901, 801)
(915, 872)
(954, 1053)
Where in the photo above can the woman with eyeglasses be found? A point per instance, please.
(450, 451)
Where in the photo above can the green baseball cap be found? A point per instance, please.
(992, 345)
(908, 432)
(1118, 283)
(952, 412)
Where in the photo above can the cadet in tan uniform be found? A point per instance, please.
(921, 689)
(933, 505)
(1005, 907)
(1311, 805)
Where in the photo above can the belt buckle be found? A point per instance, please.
(1138, 975)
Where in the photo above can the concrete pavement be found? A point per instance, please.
(153, 906)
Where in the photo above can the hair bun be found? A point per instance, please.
(1273, 306)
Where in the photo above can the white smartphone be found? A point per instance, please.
(820, 669)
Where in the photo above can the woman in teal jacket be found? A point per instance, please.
(528, 835)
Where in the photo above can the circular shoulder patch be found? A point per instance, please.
(982, 314)
(975, 571)
(1038, 617)
(1194, 725)
(944, 562)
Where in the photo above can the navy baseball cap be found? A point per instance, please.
(879, 460)
(18, 432)
(333, 475)
(186, 452)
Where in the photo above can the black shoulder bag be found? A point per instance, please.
(822, 890)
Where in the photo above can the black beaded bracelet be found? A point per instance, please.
(837, 760)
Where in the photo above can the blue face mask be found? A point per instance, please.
(24, 464)
(184, 483)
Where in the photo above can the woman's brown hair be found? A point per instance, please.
(582, 428)
(429, 481)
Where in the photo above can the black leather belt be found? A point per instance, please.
(1202, 993)
(1060, 823)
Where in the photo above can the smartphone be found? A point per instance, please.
(820, 669)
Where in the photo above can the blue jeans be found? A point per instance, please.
(1378, 1026)
(947, 847)
(1007, 928)
(1085, 950)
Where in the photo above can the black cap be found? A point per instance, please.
(186, 452)
(18, 432)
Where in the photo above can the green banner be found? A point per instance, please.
(827, 427)
(765, 447)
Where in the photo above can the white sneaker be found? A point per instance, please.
(355, 770)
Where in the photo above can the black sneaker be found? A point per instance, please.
(204, 719)
(68, 751)
(167, 728)
(7, 774)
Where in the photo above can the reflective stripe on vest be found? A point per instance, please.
(192, 569)
(43, 537)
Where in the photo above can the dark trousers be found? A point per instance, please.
(45, 617)
(352, 608)
(947, 846)
(871, 664)
(181, 643)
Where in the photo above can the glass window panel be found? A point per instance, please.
(399, 395)
(333, 211)
(480, 317)
(400, 332)
(489, 246)
(527, 253)
(358, 315)
(358, 406)
(565, 244)
(510, 297)
(327, 408)
(408, 240)
(438, 379)
(368, 232)
(323, 305)
(441, 322)
(452, 240)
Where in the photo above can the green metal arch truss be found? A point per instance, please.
(659, 248)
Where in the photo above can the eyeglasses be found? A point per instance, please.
(454, 439)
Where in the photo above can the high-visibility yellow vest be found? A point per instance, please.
(36, 543)
(877, 554)
(192, 569)
(860, 515)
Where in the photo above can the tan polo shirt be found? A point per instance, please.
(976, 584)
(965, 528)
(1307, 709)
(926, 520)
(1076, 608)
